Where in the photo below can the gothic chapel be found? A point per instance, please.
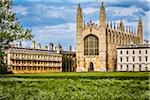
(96, 44)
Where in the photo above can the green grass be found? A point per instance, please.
(76, 86)
(88, 75)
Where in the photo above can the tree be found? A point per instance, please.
(10, 29)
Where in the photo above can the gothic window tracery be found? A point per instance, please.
(91, 45)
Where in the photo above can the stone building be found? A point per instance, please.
(96, 45)
(68, 61)
(33, 60)
(133, 58)
(40, 60)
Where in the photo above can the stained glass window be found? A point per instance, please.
(91, 45)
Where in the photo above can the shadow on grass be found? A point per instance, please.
(82, 77)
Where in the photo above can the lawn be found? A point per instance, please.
(77, 86)
(91, 75)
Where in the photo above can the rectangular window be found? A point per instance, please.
(121, 67)
(140, 58)
(127, 67)
(133, 67)
(139, 51)
(127, 52)
(133, 58)
(120, 52)
(120, 59)
(146, 51)
(146, 58)
(139, 67)
(133, 52)
(127, 59)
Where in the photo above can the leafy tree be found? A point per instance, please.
(10, 29)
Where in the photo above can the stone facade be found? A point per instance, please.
(31, 60)
(96, 45)
(68, 61)
(133, 58)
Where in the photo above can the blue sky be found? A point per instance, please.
(54, 20)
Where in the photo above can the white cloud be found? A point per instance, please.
(53, 11)
(122, 11)
(90, 10)
(87, 1)
(57, 33)
(20, 10)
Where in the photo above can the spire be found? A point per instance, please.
(102, 3)
(121, 25)
(79, 5)
(102, 22)
(79, 19)
(114, 25)
(140, 30)
(133, 31)
(127, 30)
(140, 20)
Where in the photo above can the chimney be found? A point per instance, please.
(33, 44)
(46, 47)
(20, 44)
(39, 46)
(51, 46)
(70, 48)
(59, 48)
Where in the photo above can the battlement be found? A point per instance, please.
(90, 25)
(125, 29)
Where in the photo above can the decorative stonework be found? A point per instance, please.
(109, 36)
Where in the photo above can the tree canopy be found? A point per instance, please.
(10, 28)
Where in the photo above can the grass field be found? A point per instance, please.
(75, 86)
(89, 75)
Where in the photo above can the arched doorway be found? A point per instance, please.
(91, 67)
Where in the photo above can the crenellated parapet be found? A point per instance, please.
(90, 25)
(122, 35)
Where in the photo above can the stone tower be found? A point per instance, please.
(140, 30)
(91, 42)
(79, 20)
(102, 39)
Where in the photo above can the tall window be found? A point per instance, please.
(139, 67)
(120, 59)
(133, 67)
(139, 51)
(139, 58)
(120, 52)
(91, 45)
(127, 59)
(133, 52)
(127, 68)
(120, 67)
(127, 52)
(146, 51)
(133, 58)
(146, 58)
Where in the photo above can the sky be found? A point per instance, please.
(54, 21)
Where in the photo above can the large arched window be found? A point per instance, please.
(91, 45)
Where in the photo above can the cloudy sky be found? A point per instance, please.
(54, 20)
